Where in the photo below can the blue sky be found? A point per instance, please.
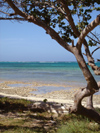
(27, 42)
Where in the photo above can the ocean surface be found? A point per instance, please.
(64, 73)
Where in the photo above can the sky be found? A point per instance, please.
(27, 42)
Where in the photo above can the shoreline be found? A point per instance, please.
(60, 96)
(67, 102)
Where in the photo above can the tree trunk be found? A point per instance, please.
(90, 102)
(88, 91)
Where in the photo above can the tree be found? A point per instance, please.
(56, 17)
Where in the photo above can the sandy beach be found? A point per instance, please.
(27, 90)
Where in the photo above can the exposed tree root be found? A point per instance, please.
(87, 111)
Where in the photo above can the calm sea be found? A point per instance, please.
(44, 72)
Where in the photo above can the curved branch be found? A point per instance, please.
(86, 30)
(95, 50)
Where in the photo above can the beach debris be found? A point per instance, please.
(50, 107)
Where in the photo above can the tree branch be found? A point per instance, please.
(91, 63)
(5, 13)
(17, 11)
(86, 30)
(88, 54)
(15, 18)
(69, 17)
(49, 4)
(95, 50)
(93, 39)
(75, 30)
(95, 36)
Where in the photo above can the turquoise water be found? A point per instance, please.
(44, 72)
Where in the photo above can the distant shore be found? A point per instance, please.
(17, 89)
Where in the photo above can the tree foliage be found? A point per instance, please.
(53, 14)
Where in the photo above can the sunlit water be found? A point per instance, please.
(62, 73)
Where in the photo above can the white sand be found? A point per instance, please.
(65, 101)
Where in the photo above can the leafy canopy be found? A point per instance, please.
(52, 13)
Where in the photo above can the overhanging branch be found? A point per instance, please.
(16, 18)
(16, 10)
(86, 30)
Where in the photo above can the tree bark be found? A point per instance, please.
(89, 113)
(88, 91)
(90, 102)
